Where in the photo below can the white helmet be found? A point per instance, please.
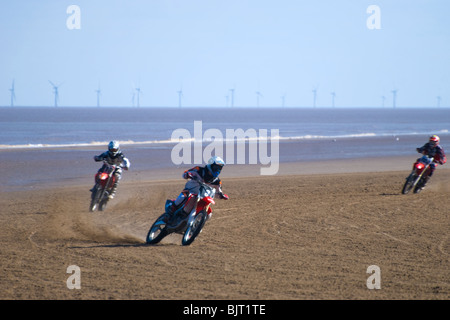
(113, 148)
(215, 165)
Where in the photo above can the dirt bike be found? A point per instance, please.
(104, 181)
(188, 219)
(417, 178)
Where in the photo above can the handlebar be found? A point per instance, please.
(113, 165)
(205, 185)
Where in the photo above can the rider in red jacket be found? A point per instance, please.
(433, 149)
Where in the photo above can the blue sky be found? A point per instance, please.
(206, 47)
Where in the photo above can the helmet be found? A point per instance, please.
(434, 140)
(113, 148)
(215, 165)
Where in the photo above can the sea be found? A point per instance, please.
(304, 134)
(39, 127)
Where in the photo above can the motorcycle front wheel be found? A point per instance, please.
(157, 232)
(95, 199)
(194, 228)
(409, 183)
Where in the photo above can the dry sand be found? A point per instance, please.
(304, 234)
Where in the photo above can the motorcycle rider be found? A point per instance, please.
(208, 174)
(114, 156)
(433, 149)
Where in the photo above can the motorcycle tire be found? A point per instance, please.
(94, 199)
(102, 204)
(194, 229)
(419, 186)
(409, 183)
(92, 206)
(156, 233)
(422, 182)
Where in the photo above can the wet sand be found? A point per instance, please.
(33, 168)
(308, 233)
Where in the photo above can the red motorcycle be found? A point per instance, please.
(417, 178)
(188, 219)
(104, 181)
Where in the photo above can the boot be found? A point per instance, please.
(112, 193)
(170, 209)
(422, 184)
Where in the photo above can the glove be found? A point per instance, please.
(192, 176)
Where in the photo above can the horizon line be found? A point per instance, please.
(227, 107)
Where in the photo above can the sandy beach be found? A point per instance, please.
(308, 233)
(317, 109)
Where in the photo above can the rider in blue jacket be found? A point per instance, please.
(208, 174)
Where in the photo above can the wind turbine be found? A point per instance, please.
(98, 95)
(258, 95)
(383, 99)
(314, 91)
(13, 94)
(138, 90)
(438, 101)
(394, 98)
(333, 96)
(135, 94)
(232, 97)
(180, 95)
(55, 92)
(283, 100)
(227, 97)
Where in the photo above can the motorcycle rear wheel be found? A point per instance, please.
(157, 232)
(419, 186)
(102, 204)
(194, 229)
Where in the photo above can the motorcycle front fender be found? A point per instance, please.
(204, 204)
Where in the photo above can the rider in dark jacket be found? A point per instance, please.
(114, 157)
(208, 174)
(433, 149)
